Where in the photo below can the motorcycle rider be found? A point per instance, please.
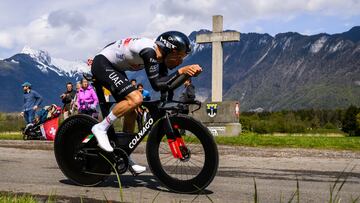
(134, 54)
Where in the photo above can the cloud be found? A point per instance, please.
(58, 37)
(5, 40)
(74, 20)
(78, 29)
(198, 12)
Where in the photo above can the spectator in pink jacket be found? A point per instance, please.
(87, 99)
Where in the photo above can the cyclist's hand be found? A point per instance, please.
(22, 114)
(191, 70)
(35, 107)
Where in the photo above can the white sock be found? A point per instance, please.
(107, 122)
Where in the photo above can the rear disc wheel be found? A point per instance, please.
(88, 170)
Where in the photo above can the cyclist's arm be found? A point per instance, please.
(157, 81)
(190, 91)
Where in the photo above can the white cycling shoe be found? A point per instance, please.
(102, 138)
(136, 168)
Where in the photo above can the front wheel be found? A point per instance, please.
(196, 169)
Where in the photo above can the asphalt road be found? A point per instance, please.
(274, 170)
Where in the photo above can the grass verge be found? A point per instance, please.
(307, 141)
(11, 136)
(9, 197)
(289, 141)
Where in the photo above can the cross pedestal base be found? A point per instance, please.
(222, 118)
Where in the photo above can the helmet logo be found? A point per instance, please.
(167, 43)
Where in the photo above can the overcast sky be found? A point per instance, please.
(78, 29)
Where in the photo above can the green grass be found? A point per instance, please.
(316, 142)
(13, 198)
(11, 136)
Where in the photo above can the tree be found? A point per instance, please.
(315, 122)
(349, 123)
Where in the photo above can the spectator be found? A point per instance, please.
(67, 99)
(145, 93)
(133, 82)
(87, 99)
(32, 100)
(187, 95)
(141, 111)
(74, 106)
(89, 62)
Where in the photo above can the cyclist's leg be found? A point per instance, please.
(125, 94)
(131, 102)
(129, 122)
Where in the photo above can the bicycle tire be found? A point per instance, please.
(211, 159)
(68, 141)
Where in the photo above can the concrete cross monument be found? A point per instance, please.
(220, 117)
(216, 38)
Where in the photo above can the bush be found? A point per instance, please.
(330, 126)
(349, 123)
(293, 121)
(10, 122)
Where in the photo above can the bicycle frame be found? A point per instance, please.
(81, 159)
(129, 141)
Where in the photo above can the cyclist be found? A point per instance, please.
(134, 54)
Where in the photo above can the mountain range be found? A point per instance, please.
(287, 71)
(47, 75)
(263, 72)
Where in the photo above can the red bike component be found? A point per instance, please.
(175, 145)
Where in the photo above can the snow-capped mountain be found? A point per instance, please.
(263, 72)
(47, 75)
(61, 66)
(286, 71)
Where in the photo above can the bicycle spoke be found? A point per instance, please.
(174, 169)
(191, 170)
(166, 150)
(195, 164)
(166, 157)
(181, 170)
(196, 149)
(187, 175)
(199, 161)
(170, 161)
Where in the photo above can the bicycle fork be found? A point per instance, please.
(175, 141)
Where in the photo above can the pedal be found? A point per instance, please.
(133, 172)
